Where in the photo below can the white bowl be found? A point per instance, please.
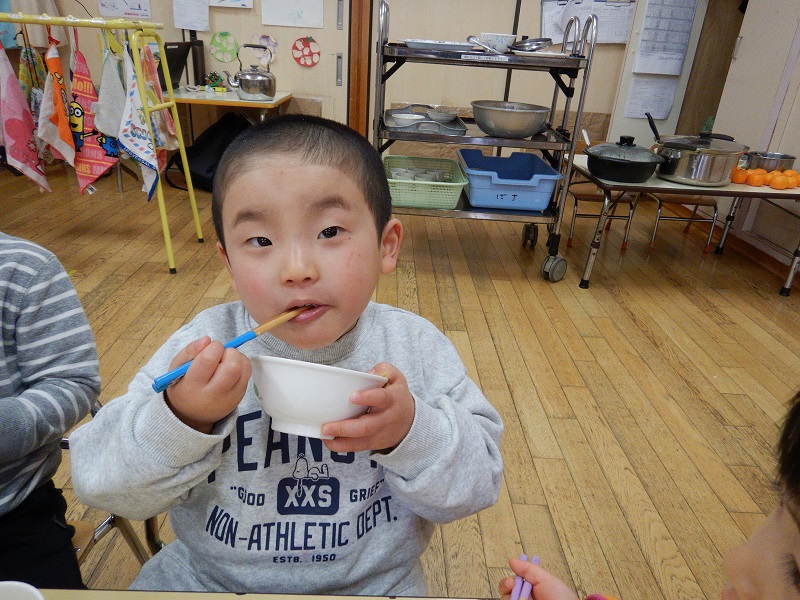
(17, 590)
(407, 118)
(498, 41)
(442, 115)
(301, 396)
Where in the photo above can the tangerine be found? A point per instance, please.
(779, 182)
(760, 170)
(791, 173)
(794, 180)
(738, 175)
(755, 179)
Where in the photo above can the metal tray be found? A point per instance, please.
(438, 45)
(426, 125)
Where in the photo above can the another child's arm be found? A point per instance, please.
(545, 585)
(55, 375)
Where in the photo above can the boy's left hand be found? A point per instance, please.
(391, 412)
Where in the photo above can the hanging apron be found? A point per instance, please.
(111, 98)
(17, 126)
(134, 131)
(54, 116)
(95, 153)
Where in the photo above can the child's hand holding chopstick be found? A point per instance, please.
(532, 581)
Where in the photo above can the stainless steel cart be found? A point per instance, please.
(556, 144)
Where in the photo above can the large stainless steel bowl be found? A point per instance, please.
(509, 119)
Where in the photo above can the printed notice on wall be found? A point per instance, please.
(128, 9)
(614, 18)
(665, 36)
(651, 93)
(190, 14)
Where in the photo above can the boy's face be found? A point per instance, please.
(302, 234)
(766, 565)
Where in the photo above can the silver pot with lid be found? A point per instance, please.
(622, 161)
(706, 159)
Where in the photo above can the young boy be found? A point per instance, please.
(765, 567)
(48, 381)
(302, 211)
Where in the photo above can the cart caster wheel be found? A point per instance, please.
(530, 233)
(554, 268)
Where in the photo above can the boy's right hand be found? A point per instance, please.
(212, 387)
(546, 586)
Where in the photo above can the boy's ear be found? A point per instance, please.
(391, 239)
(224, 258)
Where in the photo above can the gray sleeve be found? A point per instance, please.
(449, 465)
(56, 362)
(135, 458)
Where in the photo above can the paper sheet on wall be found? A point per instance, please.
(651, 93)
(129, 9)
(614, 18)
(665, 36)
(190, 14)
(292, 13)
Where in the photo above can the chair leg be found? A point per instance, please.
(611, 214)
(630, 221)
(711, 230)
(572, 223)
(689, 222)
(154, 542)
(658, 218)
(131, 538)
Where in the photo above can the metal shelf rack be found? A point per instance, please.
(556, 144)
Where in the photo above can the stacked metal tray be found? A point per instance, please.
(424, 125)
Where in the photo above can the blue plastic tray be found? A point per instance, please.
(521, 181)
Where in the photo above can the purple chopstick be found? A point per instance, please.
(526, 587)
(522, 588)
(518, 582)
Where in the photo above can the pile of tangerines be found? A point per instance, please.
(777, 180)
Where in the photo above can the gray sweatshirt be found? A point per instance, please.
(48, 366)
(256, 510)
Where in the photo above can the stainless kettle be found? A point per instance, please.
(254, 83)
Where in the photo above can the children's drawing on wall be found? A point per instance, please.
(292, 13)
(232, 3)
(129, 9)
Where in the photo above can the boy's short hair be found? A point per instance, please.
(789, 452)
(316, 141)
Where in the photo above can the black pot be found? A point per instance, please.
(622, 161)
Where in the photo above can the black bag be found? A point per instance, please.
(205, 153)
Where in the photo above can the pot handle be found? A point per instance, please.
(678, 146)
(745, 160)
(258, 47)
(716, 136)
(615, 160)
(653, 126)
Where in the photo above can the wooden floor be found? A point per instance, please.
(640, 414)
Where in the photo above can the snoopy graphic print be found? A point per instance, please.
(297, 502)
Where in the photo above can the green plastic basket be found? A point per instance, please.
(425, 194)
